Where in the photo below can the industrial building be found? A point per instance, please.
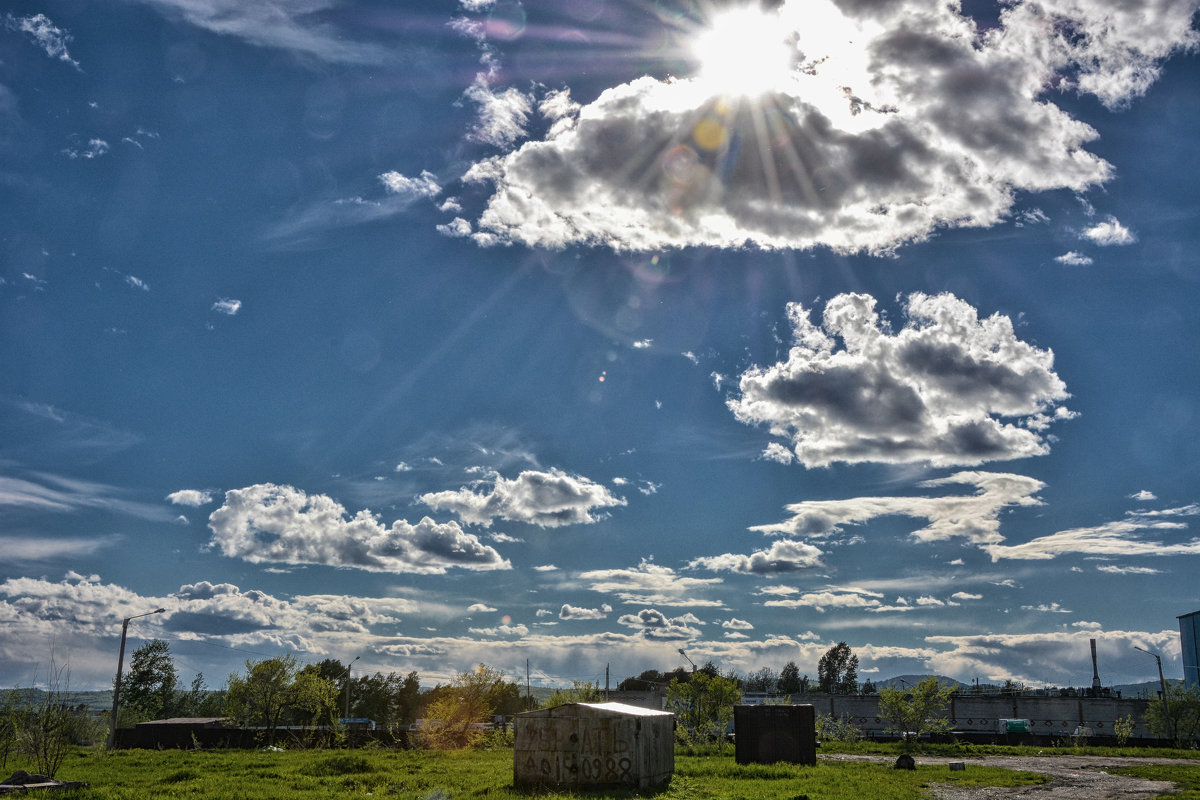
(1189, 641)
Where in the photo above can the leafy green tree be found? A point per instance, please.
(149, 688)
(262, 696)
(789, 679)
(580, 692)
(837, 671)
(913, 711)
(647, 680)
(389, 700)
(1183, 703)
(764, 679)
(199, 700)
(454, 714)
(703, 706)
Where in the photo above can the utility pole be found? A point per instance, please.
(606, 682)
(1162, 683)
(112, 721)
(528, 693)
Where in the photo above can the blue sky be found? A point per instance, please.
(582, 332)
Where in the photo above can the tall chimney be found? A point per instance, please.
(1095, 671)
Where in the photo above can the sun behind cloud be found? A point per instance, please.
(744, 51)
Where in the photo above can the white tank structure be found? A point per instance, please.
(593, 746)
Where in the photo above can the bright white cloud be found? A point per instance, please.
(949, 388)
(546, 499)
(735, 624)
(782, 556)
(1110, 232)
(848, 597)
(894, 120)
(1143, 496)
(424, 186)
(266, 523)
(975, 517)
(1120, 538)
(651, 584)
(478, 608)
(654, 624)
(190, 497)
(575, 613)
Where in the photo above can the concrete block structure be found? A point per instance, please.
(586, 746)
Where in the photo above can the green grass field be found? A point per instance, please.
(307, 775)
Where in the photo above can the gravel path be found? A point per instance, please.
(1072, 778)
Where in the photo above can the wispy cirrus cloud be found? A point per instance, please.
(52, 39)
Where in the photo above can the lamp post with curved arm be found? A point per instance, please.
(112, 722)
(1162, 683)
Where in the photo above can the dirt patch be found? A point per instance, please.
(1072, 778)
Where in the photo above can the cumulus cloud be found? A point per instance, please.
(735, 624)
(51, 38)
(949, 388)
(190, 497)
(267, 523)
(654, 624)
(895, 120)
(546, 499)
(782, 556)
(479, 608)
(1110, 232)
(575, 613)
(1143, 496)
(651, 584)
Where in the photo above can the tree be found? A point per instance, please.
(315, 699)
(389, 700)
(917, 710)
(1183, 704)
(149, 688)
(789, 679)
(199, 700)
(837, 671)
(703, 706)
(453, 715)
(263, 695)
(762, 680)
(580, 692)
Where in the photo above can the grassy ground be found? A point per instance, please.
(426, 775)
(1187, 777)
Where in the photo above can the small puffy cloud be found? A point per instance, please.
(1144, 496)
(424, 186)
(575, 613)
(654, 624)
(501, 631)
(457, 228)
(963, 596)
(502, 116)
(479, 608)
(545, 568)
(948, 388)
(735, 624)
(649, 583)
(1047, 608)
(1108, 233)
(190, 497)
(1073, 259)
(546, 499)
(227, 306)
(267, 523)
(782, 556)
(51, 38)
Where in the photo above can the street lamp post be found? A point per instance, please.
(112, 722)
(348, 668)
(685, 655)
(1163, 684)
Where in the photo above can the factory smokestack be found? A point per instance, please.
(1095, 670)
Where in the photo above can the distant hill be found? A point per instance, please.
(93, 701)
(904, 681)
